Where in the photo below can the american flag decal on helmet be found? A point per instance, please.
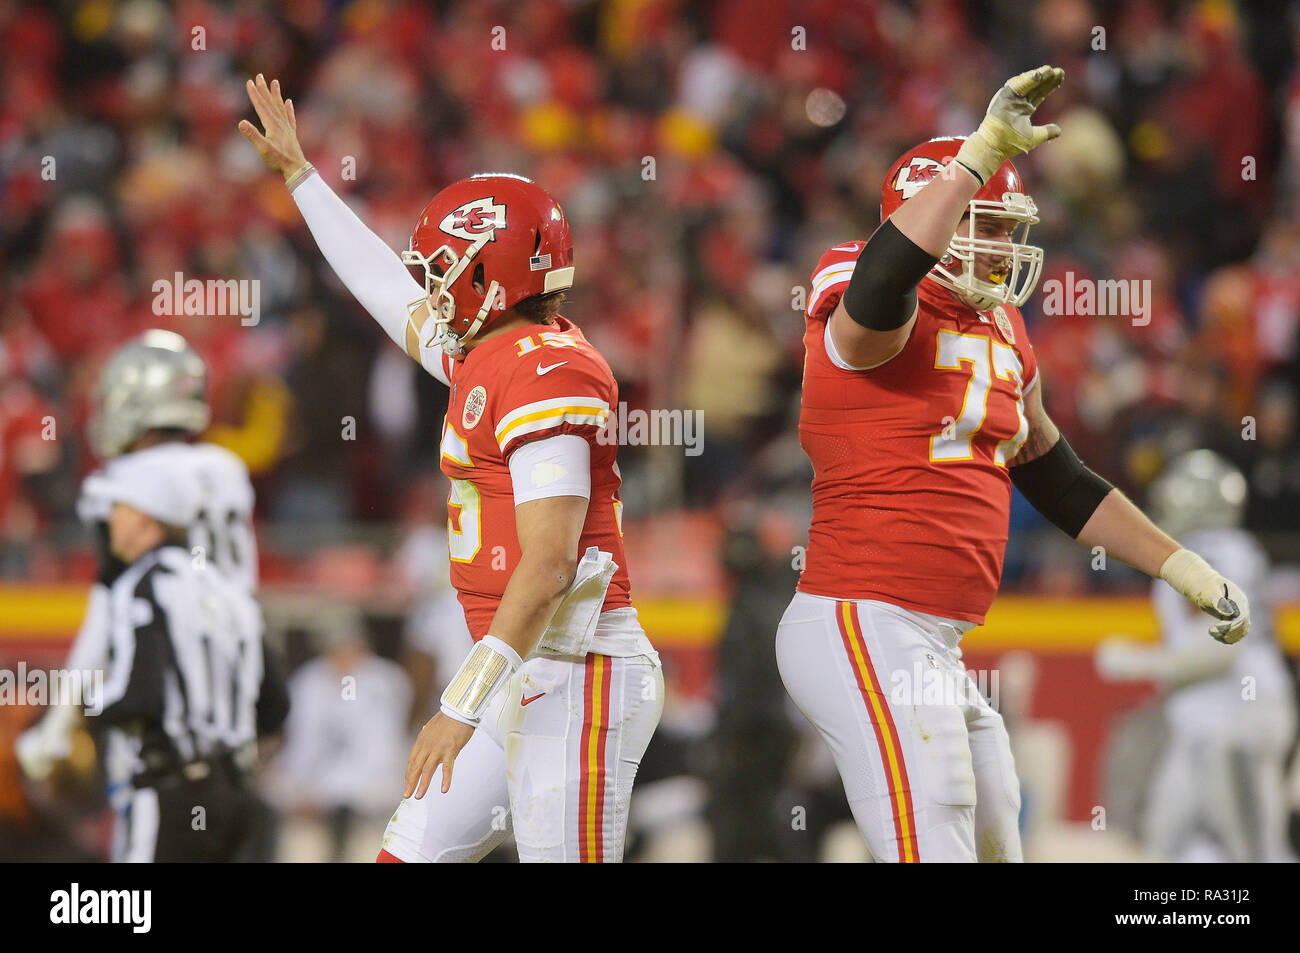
(539, 262)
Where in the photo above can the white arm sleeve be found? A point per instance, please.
(368, 268)
(553, 466)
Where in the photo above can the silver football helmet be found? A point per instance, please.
(1198, 490)
(153, 381)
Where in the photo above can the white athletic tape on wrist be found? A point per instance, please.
(978, 158)
(454, 715)
(489, 665)
(1191, 575)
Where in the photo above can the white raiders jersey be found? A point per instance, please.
(223, 531)
(1210, 704)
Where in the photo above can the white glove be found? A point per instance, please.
(1006, 131)
(46, 743)
(1210, 592)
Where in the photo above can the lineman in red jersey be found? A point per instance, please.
(561, 678)
(922, 404)
(933, 534)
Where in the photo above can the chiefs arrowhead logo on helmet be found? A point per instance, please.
(474, 219)
(913, 176)
(1001, 197)
(475, 268)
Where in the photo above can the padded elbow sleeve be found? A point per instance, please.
(1061, 488)
(881, 295)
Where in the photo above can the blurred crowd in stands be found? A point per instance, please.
(706, 153)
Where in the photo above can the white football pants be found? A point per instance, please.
(554, 758)
(925, 760)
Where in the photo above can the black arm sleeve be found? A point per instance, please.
(273, 695)
(1060, 487)
(881, 295)
(143, 697)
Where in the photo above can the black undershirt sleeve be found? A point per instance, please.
(881, 295)
(1060, 487)
(143, 697)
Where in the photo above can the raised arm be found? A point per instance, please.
(873, 320)
(368, 268)
(1079, 502)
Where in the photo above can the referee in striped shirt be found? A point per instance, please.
(190, 684)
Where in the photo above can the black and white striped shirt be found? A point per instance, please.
(189, 676)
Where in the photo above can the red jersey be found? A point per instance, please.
(911, 493)
(525, 385)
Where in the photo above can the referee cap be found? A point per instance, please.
(150, 487)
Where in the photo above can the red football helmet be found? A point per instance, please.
(1002, 196)
(485, 244)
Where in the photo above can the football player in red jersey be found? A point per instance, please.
(922, 405)
(561, 679)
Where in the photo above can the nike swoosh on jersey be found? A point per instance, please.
(529, 701)
(546, 370)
